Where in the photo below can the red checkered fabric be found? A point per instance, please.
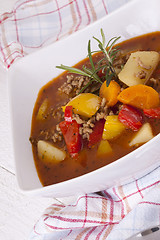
(33, 24)
(114, 214)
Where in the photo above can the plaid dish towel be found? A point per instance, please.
(119, 212)
(34, 24)
(115, 214)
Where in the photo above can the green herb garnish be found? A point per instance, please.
(109, 56)
(110, 53)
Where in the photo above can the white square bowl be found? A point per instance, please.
(29, 74)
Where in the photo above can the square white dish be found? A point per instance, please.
(28, 75)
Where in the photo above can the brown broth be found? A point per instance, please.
(87, 161)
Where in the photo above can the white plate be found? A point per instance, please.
(29, 74)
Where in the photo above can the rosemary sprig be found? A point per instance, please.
(109, 57)
(110, 53)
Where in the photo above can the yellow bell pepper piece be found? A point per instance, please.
(104, 149)
(112, 128)
(85, 104)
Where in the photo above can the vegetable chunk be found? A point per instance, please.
(104, 148)
(70, 131)
(68, 114)
(139, 67)
(43, 109)
(110, 93)
(85, 104)
(130, 117)
(96, 135)
(140, 96)
(152, 113)
(49, 153)
(112, 128)
(143, 135)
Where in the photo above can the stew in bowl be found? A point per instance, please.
(98, 111)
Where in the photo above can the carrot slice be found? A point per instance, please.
(110, 93)
(140, 96)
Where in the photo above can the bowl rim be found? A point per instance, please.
(22, 60)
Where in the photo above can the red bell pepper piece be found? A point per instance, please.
(153, 112)
(96, 135)
(131, 117)
(68, 114)
(101, 73)
(71, 136)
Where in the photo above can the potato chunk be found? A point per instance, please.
(49, 153)
(42, 110)
(85, 104)
(139, 67)
(143, 135)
